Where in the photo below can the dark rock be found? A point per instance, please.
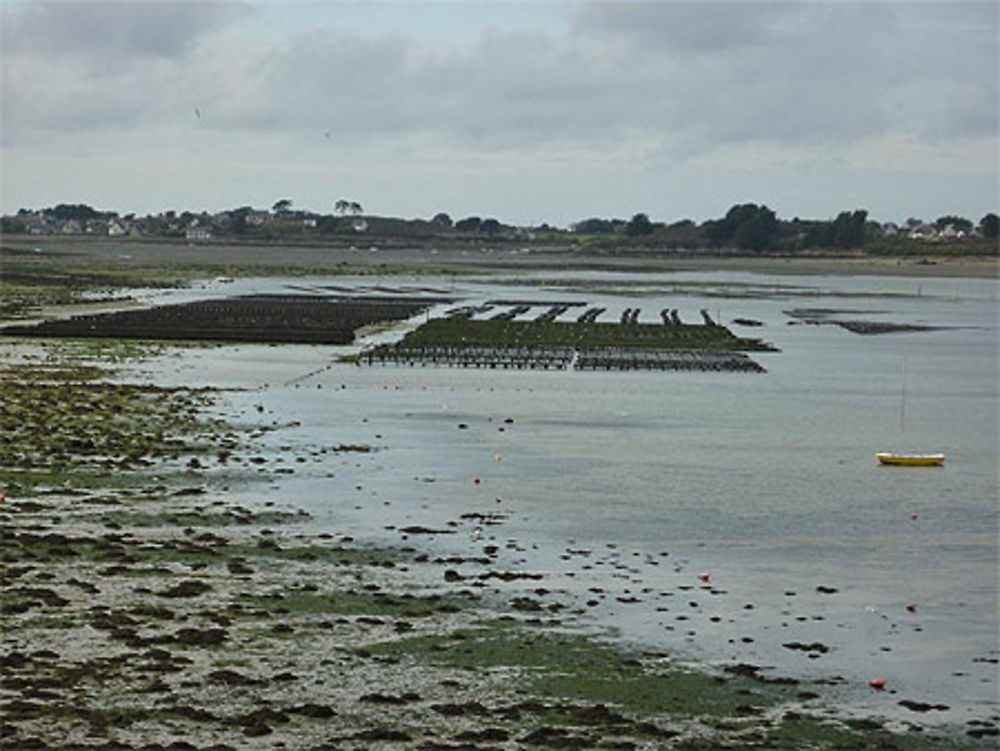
(418, 530)
(200, 637)
(230, 678)
(556, 738)
(382, 734)
(460, 710)
(386, 699)
(917, 706)
(487, 734)
(317, 711)
(983, 732)
(814, 647)
(597, 714)
(186, 588)
(526, 604)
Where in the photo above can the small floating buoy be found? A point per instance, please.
(911, 607)
(914, 517)
(497, 458)
(878, 684)
(704, 576)
(476, 480)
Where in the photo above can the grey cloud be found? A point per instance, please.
(703, 26)
(99, 32)
(817, 70)
(73, 68)
(678, 78)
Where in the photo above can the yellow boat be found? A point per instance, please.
(910, 460)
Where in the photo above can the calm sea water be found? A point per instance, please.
(623, 487)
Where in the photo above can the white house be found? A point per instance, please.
(198, 233)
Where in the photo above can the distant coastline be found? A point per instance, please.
(389, 254)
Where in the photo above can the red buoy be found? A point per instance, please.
(912, 607)
(878, 684)
(704, 576)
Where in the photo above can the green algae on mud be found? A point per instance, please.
(227, 635)
(60, 424)
(582, 668)
(570, 671)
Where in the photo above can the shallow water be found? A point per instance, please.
(634, 483)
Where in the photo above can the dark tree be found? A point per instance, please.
(281, 206)
(758, 232)
(638, 225)
(469, 224)
(12, 226)
(238, 219)
(595, 226)
(745, 225)
(79, 211)
(988, 225)
(442, 220)
(848, 230)
(490, 227)
(958, 222)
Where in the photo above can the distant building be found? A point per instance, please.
(951, 232)
(198, 233)
(923, 232)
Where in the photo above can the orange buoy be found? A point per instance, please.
(878, 684)
(704, 576)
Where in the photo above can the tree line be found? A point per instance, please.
(754, 227)
(745, 226)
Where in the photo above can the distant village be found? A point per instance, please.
(746, 226)
(74, 220)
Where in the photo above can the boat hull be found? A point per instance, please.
(910, 460)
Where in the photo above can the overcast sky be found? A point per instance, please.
(524, 111)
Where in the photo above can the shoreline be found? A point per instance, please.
(225, 620)
(271, 260)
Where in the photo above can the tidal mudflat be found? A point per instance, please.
(323, 555)
(144, 608)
